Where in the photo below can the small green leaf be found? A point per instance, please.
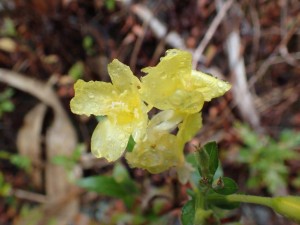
(78, 152)
(221, 202)
(8, 28)
(212, 149)
(77, 70)
(228, 186)
(203, 163)
(188, 213)
(64, 161)
(208, 161)
(7, 106)
(130, 144)
(108, 186)
(110, 4)
(23, 162)
(103, 185)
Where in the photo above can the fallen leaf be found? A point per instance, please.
(29, 141)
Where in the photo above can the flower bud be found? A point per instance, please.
(288, 206)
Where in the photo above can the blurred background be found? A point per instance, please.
(45, 46)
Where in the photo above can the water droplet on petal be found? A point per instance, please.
(91, 95)
(220, 85)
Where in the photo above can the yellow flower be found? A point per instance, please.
(120, 102)
(172, 84)
(161, 150)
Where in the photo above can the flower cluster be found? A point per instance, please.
(172, 87)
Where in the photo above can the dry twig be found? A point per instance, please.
(210, 32)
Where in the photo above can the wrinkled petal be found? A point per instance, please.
(173, 85)
(189, 128)
(140, 124)
(109, 140)
(184, 172)
(165, 121)
(164, 79)
(122, 77)
(93, 97)
(186, 101)
(209, 86)
(156, 154)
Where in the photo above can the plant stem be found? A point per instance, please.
(267, 201)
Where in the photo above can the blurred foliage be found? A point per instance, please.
(20, 161)
(266, 157)
(33, 216)
(69, 162)
(121, 186)
(5, 187)
(77, 70)
(6, 105)
(88, 43)
(110, 4)
(8, 28)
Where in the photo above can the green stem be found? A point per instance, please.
(267, 201)
(288, 206)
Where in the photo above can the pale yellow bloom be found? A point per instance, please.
(172, 84)
(160, 149)
(120, 102)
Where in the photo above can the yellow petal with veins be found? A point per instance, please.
(157, 153)
(93, 97)
(189, 127)
(122, 77)
(173, 85)
(109, 140)
(210, 87)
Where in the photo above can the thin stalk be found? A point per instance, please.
(267, 201)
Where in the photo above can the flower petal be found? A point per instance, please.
(164, 79)
(165, 121)
(156, 154)
(184, 172)
(209, 86)
(109, 140)
(122, 77)
(189, 128)
(93, 97)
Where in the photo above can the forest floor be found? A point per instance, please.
(45, 46)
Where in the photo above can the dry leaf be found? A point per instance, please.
(60, 140)
(29, 141)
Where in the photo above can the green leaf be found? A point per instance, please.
(221, 202)
(188, 213)
(130, 144)
(77, 70)
(208, 161)
(108, 186)
(8, 28)
(110, 4)
(78, 152)
(66, 161)
(7, 106)
(227, 187)
(23, 162)
(203, 163)
(212, 149)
